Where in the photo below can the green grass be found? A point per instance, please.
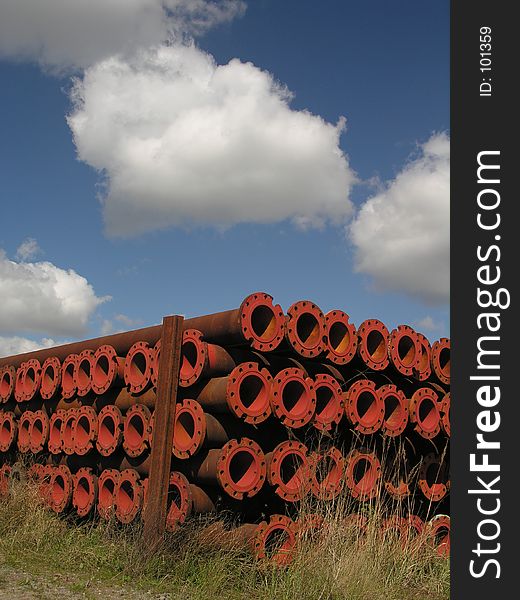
(190, 565)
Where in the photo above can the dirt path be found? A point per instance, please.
(17, 584)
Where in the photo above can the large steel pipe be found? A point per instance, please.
(404, 350)
(341, 338)
(257, 323)
(329, 402)
(7, 380)
(184, 499)
(245, 392)
(8, 430)
(288, 470)
(423, 369)
(363, 474)
(305, 329)
(201, 360)
(293, 398)
(395, 403)
(239, 468)
(364, 406)
(424, 412)
(128, 496)
(84, 494)
(327, 473)
(441, 360)
(373, 344)
(433, 480)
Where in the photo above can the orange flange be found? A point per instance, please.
(288, 470)
(51, 378)
(68, 381)
(275, 540)
(24, 431)
(83, 373)
(84, 496)
(404, 349)
(438, 534)
(441, 360)
(7, 382)
(55, 444)
(305, 329)
(445, 414)
(423, 370)
(327, 473)
(364, 406)
(67, 431)
(138, 368)
(329, 402)
(85, 430)
(109, 430)
(248, 392)
(433, 480)
(373, 344)
(341, 336)
(107, 369)
(423, 411)
(241, 468)
(363, 473)
(8, 430)
(189, 429)
(60, 488)
(395, 405)
(136, 430)
(293, 398)
(128, 496)
(39, 433)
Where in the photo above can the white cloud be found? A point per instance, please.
(428, 324)
(401, 235)
(63, 34)
(28, 249)
(122, 323)
(42, 298)
(10, 346)
(184, 141)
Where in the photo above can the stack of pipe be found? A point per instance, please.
(273, 410)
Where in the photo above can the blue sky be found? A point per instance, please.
(384, 66)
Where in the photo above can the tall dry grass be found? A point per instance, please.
(332, 563)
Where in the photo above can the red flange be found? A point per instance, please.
(5, 473)
(54, 444)
(327, 473)
(262, 322)
(136, 430)
(128, 496)
(189, 429)
(24, 431)
(423, 411)
(179, 501)
(32, 379)
(395, 405)
(19, 394)
(108, 483)
(83, 373)
(241, 468)
(398, 490)
(329, 402)
(110, 430)
(293, 398)
(373, 344)
(342, 338)
(8, 430)
(404, 349)
(248, 392)
(85, 430)
(305, 329)
(310, 526)
(138, 367)
(395, 526)
(438, 534)
(433, 480)
(67, 431)
(275, 540)
(60, 488)
(423, 370)
(288, 470)
(68, 381)
(107, 369)
(35, 472)
(44, 479)
(7, 381)
(84, 495)
(364, 406)
(51, 378)
(441, 361)
(194, 357)
(363, 473)
(39, 432)
(445, 414)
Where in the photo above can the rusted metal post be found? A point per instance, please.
(169, 365)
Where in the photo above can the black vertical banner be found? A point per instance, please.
(485, 263)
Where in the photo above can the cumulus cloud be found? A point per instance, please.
(401, 235)
(119, 323)
(428, 323)
(40, 297)
(63, 34)
(28, 249)
(182, 140)
(18, 345)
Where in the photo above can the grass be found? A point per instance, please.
(335, 566)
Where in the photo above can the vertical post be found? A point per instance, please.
(168, 377)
